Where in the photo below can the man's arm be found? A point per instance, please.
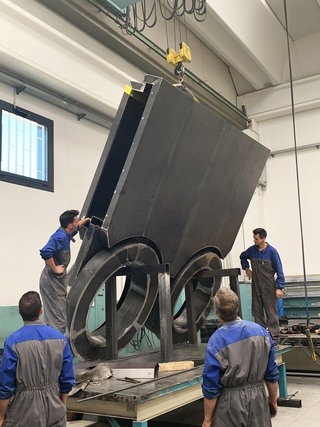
(277, 266)
(7, 377)
(249, 273)
(57, 269)
(271, 378)
(54, 246)
(83, 221)
(272, 398)
(244, 257)
(63, 397)
(211, 386)
(209, 406)
(3, 409)
(66, 379)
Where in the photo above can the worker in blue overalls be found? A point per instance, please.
(53, 280)
(265, 263)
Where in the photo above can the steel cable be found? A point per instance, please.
(296, 162)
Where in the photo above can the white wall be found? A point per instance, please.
(88, 71)
(48, 51)
(276, 207)
(281, 196)
(29, 216)
(54, 54)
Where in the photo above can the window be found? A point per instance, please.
(26, 148)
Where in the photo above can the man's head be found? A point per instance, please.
(69, 220)
(30, 306)
(259, 236)
(226, 304)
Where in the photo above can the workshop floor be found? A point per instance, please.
(309, 393)
(307, 416)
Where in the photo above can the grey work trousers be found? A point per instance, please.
(264, 300)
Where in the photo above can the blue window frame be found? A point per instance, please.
(26, 148)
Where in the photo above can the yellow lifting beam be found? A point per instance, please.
(175, 58)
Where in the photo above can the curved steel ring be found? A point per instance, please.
(133, 307)
(204, 291)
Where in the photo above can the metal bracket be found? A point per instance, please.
(290, 403)
(81, 116)
(20, 89)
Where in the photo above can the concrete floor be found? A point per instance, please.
(307, 416)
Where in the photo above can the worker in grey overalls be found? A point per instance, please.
(265, 263)
(53, 280)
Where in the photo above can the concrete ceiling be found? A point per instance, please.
(250, 37)
(247, 35)
(303, 16)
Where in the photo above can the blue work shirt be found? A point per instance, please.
(58, 242)
(268, 253)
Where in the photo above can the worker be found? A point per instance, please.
(37, 369)
(239, 358)
(265, 263)
(53, 280)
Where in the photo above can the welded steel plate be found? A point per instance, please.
(172, 186)
(174, 172)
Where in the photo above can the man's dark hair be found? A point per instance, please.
(30, 306)
(67, 217)
(261, 231)
(226, 304)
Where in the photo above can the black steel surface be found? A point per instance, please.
(176, 173)
(164, 305)
(219, 273)
(176, 180)
(111, 325)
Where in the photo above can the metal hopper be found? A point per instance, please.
(172, 186)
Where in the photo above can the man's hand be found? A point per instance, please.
(4, 403)
(83, 221)
(209, 405)
(273, 407)
(272, 398)
(279, 293)
(249, 273)
(59, 269)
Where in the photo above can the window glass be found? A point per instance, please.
(26, 148)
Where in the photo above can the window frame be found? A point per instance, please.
(20, 179)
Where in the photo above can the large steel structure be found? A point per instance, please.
(172, 186)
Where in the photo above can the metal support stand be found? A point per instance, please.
(165, 316)
(283, 399)
(234, 286)
(233, 274)
(111, 318)
(163, 273)
(141, 424)
(191, 315)
(283, 394)
(113, 422)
